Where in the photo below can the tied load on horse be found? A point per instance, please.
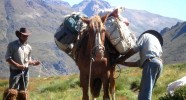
(118, 32)
(69, 32)
(95, 53)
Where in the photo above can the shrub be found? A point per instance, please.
(135, 86)
(179, 94)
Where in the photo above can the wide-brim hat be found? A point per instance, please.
(155, 33)
(23, 31)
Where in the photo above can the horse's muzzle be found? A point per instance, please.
(99, 54)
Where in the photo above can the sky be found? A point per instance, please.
(167, 8)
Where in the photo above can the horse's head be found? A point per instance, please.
(96, 33)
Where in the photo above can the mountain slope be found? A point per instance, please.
(141, 21)
(175, 44)
(42, 18)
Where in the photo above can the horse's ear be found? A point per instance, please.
(85, 20)
(114, 13)
(104, 18)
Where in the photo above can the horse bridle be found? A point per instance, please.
(98, 46)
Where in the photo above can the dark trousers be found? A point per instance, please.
(18, 79)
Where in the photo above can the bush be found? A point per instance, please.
(135, 86)
(179, 94)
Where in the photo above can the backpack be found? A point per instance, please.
(71, 23)
(67, 33)
(64, 39)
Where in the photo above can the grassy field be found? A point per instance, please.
(127, 85)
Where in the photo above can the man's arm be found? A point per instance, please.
(12, 62)
(132, 64)
(129, 54)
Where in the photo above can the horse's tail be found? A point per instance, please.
(96, 87)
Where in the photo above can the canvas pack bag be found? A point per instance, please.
(66, 35)
(71, 23)
(119, 35)
(64, 38)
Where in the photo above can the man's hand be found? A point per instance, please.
(35, 62)
(22, 67)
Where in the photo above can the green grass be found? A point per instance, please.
(127, 85)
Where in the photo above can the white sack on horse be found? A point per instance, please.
(118, 32)
(174, 85)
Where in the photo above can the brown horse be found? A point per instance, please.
(94, 61)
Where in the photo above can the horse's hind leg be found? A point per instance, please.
(112, 84)
(84, 85)
(112, 88)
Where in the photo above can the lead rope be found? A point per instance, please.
(41, 65)
(89, 91)
(24, 80)
(6, 95)
(24, 83)
(119, 72)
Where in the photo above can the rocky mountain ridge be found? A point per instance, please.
(174, 44)
(139, 20)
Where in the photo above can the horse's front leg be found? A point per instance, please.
(84, 85)
(106, 86)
